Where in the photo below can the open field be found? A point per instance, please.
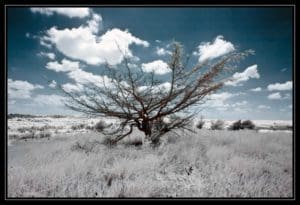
(71, 161)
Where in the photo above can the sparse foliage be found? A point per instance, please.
(77, 127)
(200, 123)
(248, 124)
(239, 125)
(100, 126)
(236, 125)
(142, 100)
(217, 125)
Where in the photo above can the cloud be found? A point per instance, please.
(219, 47)
(53, 84)
(258, 89)
(64, 66)
(83, 77)
(158, 67)
(283, 69)
(162, 51)
(43, 43)
(163, 87)
(48, 55)
(21, 89)
(287, 96)
(66, 11)
(94, 23)
(53, 100)
(82, 43)
(73, 70)
(237, 104)
(264, 107)
(11, 102)
(218, 100)
(72, 87)
(27, 35)
(290, 106)
(275, 96)
(241, 110)
(284, 86)
(250, 72)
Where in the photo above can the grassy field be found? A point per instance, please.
(209, 163)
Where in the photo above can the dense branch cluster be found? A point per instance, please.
(147, 101)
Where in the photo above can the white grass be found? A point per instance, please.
(206, 164)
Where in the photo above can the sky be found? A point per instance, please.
(50, 46)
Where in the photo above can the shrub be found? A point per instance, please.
(89, 127)
(134, 142)
(44, 135)
(29, 135)
(159, 124)
(13, 136)
(200, 124)
(217, 125)
(77, 127)
(239, 125)
(248, 124)
(22, 129)
(57, 116)
(107, 141)
(100, 126)
(236, 125)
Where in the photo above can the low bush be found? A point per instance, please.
(134, 142)
(29, 135)
(217, 125)
(248, 124)
(236, 125)
(100, 126)
(44, 135)
(77, 127)
(239, 125)
(200, 124)
(57, 116)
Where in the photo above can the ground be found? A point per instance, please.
(208, 163)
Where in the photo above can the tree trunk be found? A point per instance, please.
(147, 128)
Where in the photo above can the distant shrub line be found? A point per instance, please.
(219, 125)
(239, 125)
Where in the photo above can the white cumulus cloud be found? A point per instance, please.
(18, 89)
(53, 84)
(281, 86)
(237, 104)
(64, 66)
(48, 55)
(218, 100)
(158, 67)
(83, 77)
(72, 87)
(264, 107)
(219, 47)
(74, 72)
(82, 43)
(53, 100)
(258, 89)
(250, 72)
(94, 23)
(275, 96)
(162, 51)
(76, 12)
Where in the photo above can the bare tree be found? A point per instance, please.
(145, 100)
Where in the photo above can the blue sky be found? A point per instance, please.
(68, 46)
